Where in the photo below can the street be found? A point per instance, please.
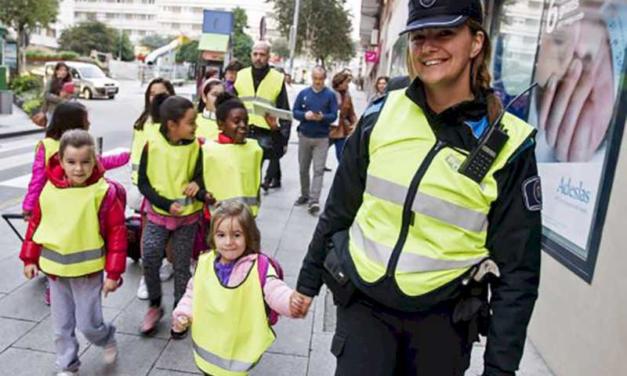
(302, 346)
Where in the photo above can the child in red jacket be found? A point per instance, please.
(76, 231)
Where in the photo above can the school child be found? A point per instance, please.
(144, 128)
(206, 120)
(76, 231)
(233, 163)
(225, 303)
(66, 116)
(170, 178)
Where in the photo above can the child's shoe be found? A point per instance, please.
(151, 320)
(110, 353)
(166, 271)
(142, 289)
(178, 335)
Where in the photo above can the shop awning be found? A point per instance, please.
(213, 42)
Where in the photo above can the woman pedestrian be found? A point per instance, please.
(346, 119)
(424, 216)
(379, 88)
(54, 92)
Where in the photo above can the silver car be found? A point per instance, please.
(89, 79)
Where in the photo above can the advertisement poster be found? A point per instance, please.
(575, 51)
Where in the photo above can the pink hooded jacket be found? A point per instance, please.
(276, 292)
(38, 178)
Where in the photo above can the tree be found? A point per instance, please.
(24, 16)
(242, 42)
(281, 48)
(188, 52)
(324, 28)
(155, 41)
(94, 35)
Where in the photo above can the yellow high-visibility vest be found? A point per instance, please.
(267, 92)
(233, 172)
(448, 230)
(230, 329)
(69, 231)
(207, 128)
(140, 137)
(170, 168)
(50, 146)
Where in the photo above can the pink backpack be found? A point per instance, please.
(263, 262)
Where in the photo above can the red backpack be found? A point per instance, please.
(263, 263)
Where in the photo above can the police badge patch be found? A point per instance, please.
(532, 193)
(427, 3)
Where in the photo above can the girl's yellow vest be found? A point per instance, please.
(69, 231)
(140, 137)
(233, 172)
(170, 168)
(230, 330)
(207, 128)
(50, 146)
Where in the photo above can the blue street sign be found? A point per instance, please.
(217, 22)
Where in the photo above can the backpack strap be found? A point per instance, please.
(262, 267)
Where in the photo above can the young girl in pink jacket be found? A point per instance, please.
(227, 301)
(66, 116)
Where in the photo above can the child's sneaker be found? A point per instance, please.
(166, 271)
(178, 335)
(110, 353)
(151, 320)
(142, 289)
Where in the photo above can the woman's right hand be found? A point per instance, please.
(180, 323)
(31, 271)
(175, 208)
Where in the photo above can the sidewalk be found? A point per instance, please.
(16, 124)
(302, 346)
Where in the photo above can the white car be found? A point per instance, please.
(89, 79)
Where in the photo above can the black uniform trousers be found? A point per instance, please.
(271, 142)
(377, 341)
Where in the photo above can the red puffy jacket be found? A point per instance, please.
(111, 217)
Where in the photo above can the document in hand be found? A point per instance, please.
(262, 109)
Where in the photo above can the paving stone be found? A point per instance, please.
(41, 338)
(280, 365)
(11, 276)
(19, 362)
(26, 302)
(130, 319)
(167, 372)
(178, 356)
(136, 357)
(293, 336)
(321, 361)
(12, 330)
(127, 292)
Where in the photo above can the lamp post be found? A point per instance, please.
(293, 33)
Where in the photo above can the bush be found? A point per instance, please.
(25, 83)
(32, 106)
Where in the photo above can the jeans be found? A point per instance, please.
(339, 146)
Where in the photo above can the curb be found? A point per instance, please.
(21, 133)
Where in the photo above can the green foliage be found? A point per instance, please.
(25, 83)
(94, 35)
(242, 42)
(39, 55)
(324, 28)
(33, 105)
(24, 16)
(188, 52)
(155, 41)
(281, 48)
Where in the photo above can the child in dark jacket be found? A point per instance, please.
(76, 231)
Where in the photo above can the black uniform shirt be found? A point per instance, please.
(514, 229)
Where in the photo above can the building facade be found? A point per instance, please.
(576, 52)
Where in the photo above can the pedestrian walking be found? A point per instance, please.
(379, 88)
(435, 202)
(145, 128)
(76, 231)
(347, 118)
(226, 303)
(67, 116)
(232, 163)
(170, 178)
(206, 119)
(53, 92)
(316, 108)
(264, 84)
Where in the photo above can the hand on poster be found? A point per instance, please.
(576, 105)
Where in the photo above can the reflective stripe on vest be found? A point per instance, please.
(233, 172)
(207, 128)
(50, 146)
(69, 231)
(267, 92)
(447, 231)
(169, 169)
(230, 329)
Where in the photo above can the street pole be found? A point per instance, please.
(293, 33)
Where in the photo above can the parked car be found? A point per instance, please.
(89, 79)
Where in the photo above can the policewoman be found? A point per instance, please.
(435, 201)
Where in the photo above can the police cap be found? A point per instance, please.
(442, 13)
